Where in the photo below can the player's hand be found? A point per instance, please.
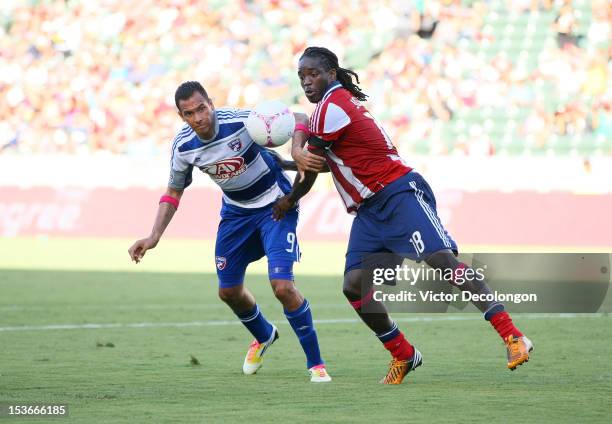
(139, 248)
(307, 161)
(281, 207)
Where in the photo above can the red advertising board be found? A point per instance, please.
(484, 218)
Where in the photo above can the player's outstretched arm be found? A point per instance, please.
(305, 160)
(287, 165)
(165, 212)
(301, 186)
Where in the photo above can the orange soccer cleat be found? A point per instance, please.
(399, 368)
(518, 350)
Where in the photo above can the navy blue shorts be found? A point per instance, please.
(243, 238)
(400, 219)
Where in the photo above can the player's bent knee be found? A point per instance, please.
(350, 293)
(230, 295)
(352, 285)
(284, 289)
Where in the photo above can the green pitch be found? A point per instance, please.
(124, 347)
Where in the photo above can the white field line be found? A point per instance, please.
(138, 307)
(440, 318)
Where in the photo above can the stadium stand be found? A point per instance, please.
(469, 78)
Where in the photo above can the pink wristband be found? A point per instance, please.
(169, 199)
(302, 127)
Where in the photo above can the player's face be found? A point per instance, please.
(314, 78)
(199, 113)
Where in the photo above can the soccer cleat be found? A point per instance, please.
(399, 368)
(518, 350)
(254, 357)
(318, 374)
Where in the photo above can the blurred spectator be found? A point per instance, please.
(536, 128)
(599, 31)
(425, 17)
(537, 5)
(601, 119)
(570, 119)
(566, 25)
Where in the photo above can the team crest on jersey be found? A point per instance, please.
(221, 262)
(235, 145)
(226, 168)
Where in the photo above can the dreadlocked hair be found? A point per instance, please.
(344, 76)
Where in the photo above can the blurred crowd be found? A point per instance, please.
(84, 76)
(432, 80)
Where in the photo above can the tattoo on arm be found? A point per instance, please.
(165, 212)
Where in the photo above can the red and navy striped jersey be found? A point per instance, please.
(361, 156)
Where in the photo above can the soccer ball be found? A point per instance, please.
(270, 123)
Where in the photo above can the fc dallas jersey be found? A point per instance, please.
(362, 158)
(248, 175)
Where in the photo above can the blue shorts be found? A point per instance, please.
(246, 236)
(400, 219)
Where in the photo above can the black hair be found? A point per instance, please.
(344, 76)
(186, 90)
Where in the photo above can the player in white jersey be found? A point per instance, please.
(216, 142)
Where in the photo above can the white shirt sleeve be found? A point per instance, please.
(180, 172)
(335, 119)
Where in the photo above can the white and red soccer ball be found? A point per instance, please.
(270, 123)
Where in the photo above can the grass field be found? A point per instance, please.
(55, 326)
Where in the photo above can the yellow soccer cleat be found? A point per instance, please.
(518, 350)
(399, 368)
(254, 357)
(318, 374)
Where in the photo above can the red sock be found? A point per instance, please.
(399, 347)
(502, 323)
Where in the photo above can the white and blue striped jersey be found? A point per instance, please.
(246, 172)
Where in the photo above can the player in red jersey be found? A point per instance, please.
(394, 206)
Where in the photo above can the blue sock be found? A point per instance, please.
(257, 324)
(301, 322)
